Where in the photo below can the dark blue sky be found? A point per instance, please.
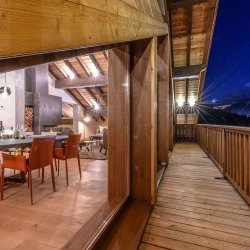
(228, 74)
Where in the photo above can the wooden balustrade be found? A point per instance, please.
(229, 148)
(185, 132)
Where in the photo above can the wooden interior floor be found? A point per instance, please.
(194, 210)
(55, 217)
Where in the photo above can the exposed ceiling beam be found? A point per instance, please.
(184, 3)
(189, 33)
(84, 97)
(82, 65)
(75, 99)
(105, 54)
(101, 95)
(192, 71)
(69, 65)
(87, 82)
(93, 59)
(92, 95)
(62, 74)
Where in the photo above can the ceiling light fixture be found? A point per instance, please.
(191, 102)
(4, 90)
(87, 119)
(180, 103)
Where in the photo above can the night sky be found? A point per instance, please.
(228, 74)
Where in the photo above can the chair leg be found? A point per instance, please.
(79, 166)
(42, 175)
(30, 185)
(67, 177)
(53, 178)
(58, 167)
(55, 164)
(28, 180)
(2, 183)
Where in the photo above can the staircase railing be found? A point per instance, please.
(229, 148)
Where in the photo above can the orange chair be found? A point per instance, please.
(41, 155)
(68, 151)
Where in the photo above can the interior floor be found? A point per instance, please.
(55, 217)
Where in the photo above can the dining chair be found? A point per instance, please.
(41, 155)
(68, 151)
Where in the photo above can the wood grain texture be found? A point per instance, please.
(30, 27)
(143, 123)
(194, 210)
(163, 78)
(119, 122)
(56, 216)
(229, 148)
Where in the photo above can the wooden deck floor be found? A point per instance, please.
(195, 210)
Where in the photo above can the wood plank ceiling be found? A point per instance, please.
(85, 79)
(192, 25)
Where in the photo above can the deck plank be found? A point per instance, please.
(194, 210)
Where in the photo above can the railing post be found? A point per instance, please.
(224, 152)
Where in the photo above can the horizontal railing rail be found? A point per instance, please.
(229, 148)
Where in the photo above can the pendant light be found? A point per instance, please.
(4, 90)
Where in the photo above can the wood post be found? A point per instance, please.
(143, 123)
(118, 122)
(163, 100)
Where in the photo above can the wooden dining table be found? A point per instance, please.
(10, 146)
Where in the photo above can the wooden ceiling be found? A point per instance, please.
(85, 79)
(192, 24)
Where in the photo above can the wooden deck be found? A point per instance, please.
(194, 210)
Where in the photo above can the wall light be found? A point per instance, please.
(86, 119)
(180, 103)
(191, 102)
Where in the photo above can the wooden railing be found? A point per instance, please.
(229, 148)
(185, 132)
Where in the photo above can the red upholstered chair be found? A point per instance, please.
(68, 151)
(41, 155)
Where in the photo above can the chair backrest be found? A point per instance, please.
(105, 138)
(41, 153)
(72, 146)
(14, 162)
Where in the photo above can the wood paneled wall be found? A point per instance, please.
(119, 122)
(42, 26)
(163, 121)
(143, 123)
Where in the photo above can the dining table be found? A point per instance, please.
(22, 146)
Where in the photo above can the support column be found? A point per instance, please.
(144, 120)
(163, 121)
(118, 122)
(20, 97)
(76, 118)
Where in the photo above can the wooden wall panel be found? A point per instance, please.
(42, 26)
(163, 100)
(119, 122)
(143, 120)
